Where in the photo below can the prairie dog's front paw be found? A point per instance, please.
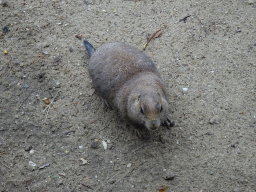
(168, 123)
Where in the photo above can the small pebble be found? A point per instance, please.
(169, 177)
(129, 165)
(250, 2)
(17, 62)
(94, 144)
(57, 85)
(32, 151)
(233, 146)
(105, 145)
(237, 190)
(91, 91)
(211, 173)
(213, 121)
(28, 147)
(40, 75)
(84, 161)
(31, 163)
(185, 89)
(60, 182)
(238, 30)
(45, 52)
(71, 49)
(26, 86)
(4, 3)
(62, 174)
(5, 29)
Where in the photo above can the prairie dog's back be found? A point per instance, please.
(114, 64)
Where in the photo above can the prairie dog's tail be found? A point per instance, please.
(89, 48)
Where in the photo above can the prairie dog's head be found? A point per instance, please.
(147, 109)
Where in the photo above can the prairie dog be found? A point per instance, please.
(128, 81)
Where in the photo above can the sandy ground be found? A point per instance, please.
(58, 147)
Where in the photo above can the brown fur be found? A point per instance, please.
(129, 81)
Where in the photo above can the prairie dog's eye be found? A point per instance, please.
(159, 106)
(161, 109)
(141, 110)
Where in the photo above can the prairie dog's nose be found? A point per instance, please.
(153, 123)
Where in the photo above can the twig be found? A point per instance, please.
(28, 188)
(139, 148)
(5, 165)
(23, 101)
(27, 182)
(112, 177)
(135, 164)
(51, 102)
(87, 178)
(102, 129)
(184, 19)
(85, 185)
(154, 35)
(75, 107)
(46, 115)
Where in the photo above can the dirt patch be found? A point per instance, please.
(207, 61)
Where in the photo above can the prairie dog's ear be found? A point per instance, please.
(163, 100)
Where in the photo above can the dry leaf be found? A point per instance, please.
(46, 101)
(78, 36)
(158, 33)
(163, 189)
